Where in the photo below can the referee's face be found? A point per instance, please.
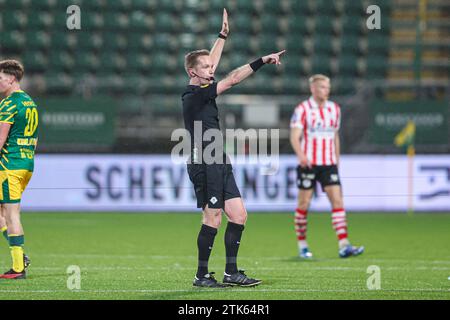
(204, 69)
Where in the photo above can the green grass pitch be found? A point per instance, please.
(153, 256)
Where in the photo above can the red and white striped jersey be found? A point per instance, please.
(320, 126)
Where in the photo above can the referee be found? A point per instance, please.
(214, 183)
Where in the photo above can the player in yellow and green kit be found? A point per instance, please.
(18, 140)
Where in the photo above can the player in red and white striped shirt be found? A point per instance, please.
(315, 140)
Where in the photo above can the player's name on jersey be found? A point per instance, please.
(26, 141)
(28, 103)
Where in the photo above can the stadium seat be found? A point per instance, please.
(375, 66)
(93, 21)
(301, 7)
(327, 8)
(112, 62)
(40, 20)
(275, 7)
(61, 61)
(137, 41)
(343, 85)
(321, 64)
(116, 21)
(14, 20)
(240, 43)
(242, 22)
(87, 62)
(138, 62)
(89, 41)
(323, 44)
(12, 42)
(298, 25)
(269, 24)
(295, 43)
(165, 42)
(247, 7)
(165, 22)
(351, 25)
(59, 83)
(144, 5)
(115, 42)
(38, 40)
(35, 61)
(350, 44)
(377, 43)
(324, 25)
(140, 21)
(348, 65)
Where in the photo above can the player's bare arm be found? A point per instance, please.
(4, 131)
(216, 51)
(238, 75)
(295, 137)
(337, 144)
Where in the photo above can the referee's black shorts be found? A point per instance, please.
(326, 175)
(213, 184)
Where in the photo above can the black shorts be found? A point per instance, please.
(326, 175)
(213, 184)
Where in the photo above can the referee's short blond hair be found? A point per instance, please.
(317, 77)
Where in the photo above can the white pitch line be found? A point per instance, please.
(302, 268)
(234, 290)
(282, 258)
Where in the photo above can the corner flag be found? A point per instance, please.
(406, 138)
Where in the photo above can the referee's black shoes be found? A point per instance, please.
(208, 281)
(240, 279)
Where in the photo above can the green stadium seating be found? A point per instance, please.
(35, 61)
(61, 61)
(14, 20)
(89, 41)
(140, 21)
(116, 42)
(295, 43)
(269, 24)
(93, 21)
(323, 44)
(37, 40)
(274, 7)
(350, 45)
(166, 22)
(301, 7)
(348, 65)
(375, 66)
(321, 64)
(138, 62)
(242, 22)
(245, 6)
(41, 20)
(87, 62)
(324, 25)
(146, 40)
(297, 25)
(13, 41)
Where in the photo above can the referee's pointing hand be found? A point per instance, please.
(273, 58)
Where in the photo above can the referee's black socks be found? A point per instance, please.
(205, 243)
(232, 240)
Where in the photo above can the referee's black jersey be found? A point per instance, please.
(199, 104)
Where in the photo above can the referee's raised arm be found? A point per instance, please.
(216, 50)
(238, 75)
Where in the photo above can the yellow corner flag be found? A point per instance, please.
(406, 137)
